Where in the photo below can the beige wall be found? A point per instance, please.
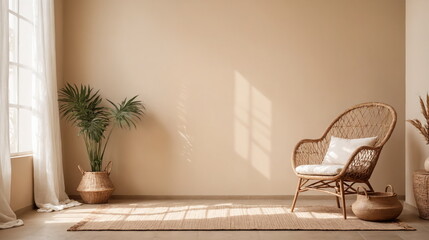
(417, 80)
(232, 86)
(22, 182)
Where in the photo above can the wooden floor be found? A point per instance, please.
(55, 225)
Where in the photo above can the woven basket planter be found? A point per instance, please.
(95, 187)
(421, 192)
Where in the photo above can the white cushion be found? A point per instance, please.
(325, 170)
(341, 149)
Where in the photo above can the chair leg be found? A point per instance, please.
(343, 198)
(337, 190)
(369, 186)
(298, 187)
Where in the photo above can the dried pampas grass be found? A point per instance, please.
(423, 127)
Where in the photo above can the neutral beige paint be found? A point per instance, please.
(22, 182)
(232, 86)
(417, 81)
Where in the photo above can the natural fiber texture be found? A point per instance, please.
(377, 206)
(361, 121)
(421, 192)
(95, 187)
(221, 215)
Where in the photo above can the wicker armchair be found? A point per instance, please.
(361, 121)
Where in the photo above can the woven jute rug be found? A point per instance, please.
(223, 215)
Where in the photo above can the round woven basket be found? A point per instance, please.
(377, 206)
(96, 187)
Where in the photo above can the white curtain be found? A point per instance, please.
(49, 190)
(7, 216)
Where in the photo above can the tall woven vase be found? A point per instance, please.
(421, 193)
(96, 187)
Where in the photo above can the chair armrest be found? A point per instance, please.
(362, 163)
(309, 151)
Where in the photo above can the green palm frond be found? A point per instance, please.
(81, 106)
(127, 112)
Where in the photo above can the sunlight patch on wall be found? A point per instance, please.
(242, 118)
(252, 125)
(182, 130)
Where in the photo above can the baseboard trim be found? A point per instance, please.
(214, 197)
(23, 210)
(220, 197)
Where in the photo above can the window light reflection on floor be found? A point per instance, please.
(179, 213)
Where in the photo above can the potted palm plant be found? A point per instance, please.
(82, 106)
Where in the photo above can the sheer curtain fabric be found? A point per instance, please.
(49, 189)
(7, 216)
